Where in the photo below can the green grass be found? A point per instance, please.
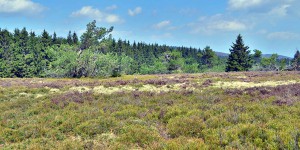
(180, 111)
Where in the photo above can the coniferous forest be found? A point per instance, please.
(97, 54)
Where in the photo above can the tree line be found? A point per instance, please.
(97, 54)
(241, 59)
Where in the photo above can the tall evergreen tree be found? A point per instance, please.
(209, 57)
(24, 36)
(69, 38)
(54, 38)
(5, 39)
(239, 58)
(296, 60)
(75, 38)
(46, 39)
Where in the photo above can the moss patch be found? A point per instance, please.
(242, 85)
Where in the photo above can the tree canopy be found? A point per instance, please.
(97, 54)
(239, 58)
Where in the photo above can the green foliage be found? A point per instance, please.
(209, 58)
(24, 54)
(175, 62)
(93, 35)
(65, 63)
(185, 143)
(70, 63)
(92, 128)
(186, 126)
(257, 56)
(140, 135)
(45, 39)
(159, 67)
(239, 58)
(283, 64)
(75, 38)
(69, 38)
(270, 64)
(191, 68)
(54, 39)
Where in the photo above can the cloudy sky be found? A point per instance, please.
(272, 26)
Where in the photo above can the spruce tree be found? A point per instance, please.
(46, 39)
(75, 38)
(54, 38)
(24, 36)
(5, 39)
(69, 38)
(296, 60)
(239, 58)
(209, 57)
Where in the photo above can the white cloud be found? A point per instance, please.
(162, 24)
(88, 11)
(135, 12)
(283, 36)
(264, 7)
(216, 24)
(112, 18)
(20, 6)
(225, 25)
(244, 4)
(112, 7)
(93, 13)
(280, 11)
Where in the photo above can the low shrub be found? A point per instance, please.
(186, 126)
(142, 136)
(77, 97)
(172, 112)
(95, 127)
(185, 143)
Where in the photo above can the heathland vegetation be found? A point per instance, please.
(97, 54)
(250, 110)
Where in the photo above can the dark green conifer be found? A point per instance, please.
(239, 58)
(75, 38)
(69, 38)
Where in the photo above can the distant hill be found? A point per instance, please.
(279, 56)
(221, 54)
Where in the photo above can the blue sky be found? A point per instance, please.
(272, 26)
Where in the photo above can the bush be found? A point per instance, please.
(94, 127)
(172, 112)
(142, 136)
(70, 63)
(64, 99)
(186, 126)
(185, 143)
(32, 131)
(11, 135)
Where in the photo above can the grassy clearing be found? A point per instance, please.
(185, 111)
